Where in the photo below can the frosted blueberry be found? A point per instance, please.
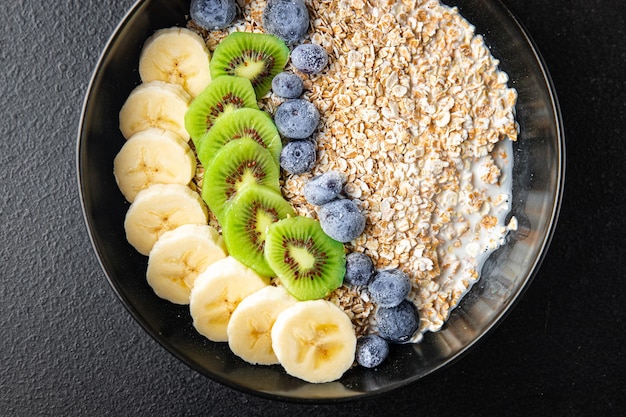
(213, 14)
(323, 188)
(371, 350)
(397, 324)
(309, 58)
(359, 269)
(296, 119)
(298, 156)
(287, 19)
(389, 287)
(341, 220)
(287, 85)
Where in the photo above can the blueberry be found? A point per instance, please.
(213, 14)
(287, 19)
(389, 287)
(371, 350)
(323, 188)
(359, 269)
(298, 156)
(397, 324)
(287, 85)
(309, 58)
(341, 220)
(296, 119)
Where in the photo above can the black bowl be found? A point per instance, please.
(539, 165)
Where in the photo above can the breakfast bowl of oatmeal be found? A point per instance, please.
(320, 200)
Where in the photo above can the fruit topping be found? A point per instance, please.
(287, 85)
(159, 209)
(298, 156)
(287, 19)
(155, 104)
(178, 56)
(324, 188)
(213, 14)
(153, 156)
(397, 324)
(389, 287)
(308, 263)
(242, 123)
(359, 269)
(314, 341)
(309, 58)
(371, 350)
(238, 164)
(246, 222)
(250, 327)
(177, 258)
(341, 220)
(296, 118)
(255, 56)
(216, 294)
(223, 95)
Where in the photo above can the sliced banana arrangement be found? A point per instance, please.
(231, 299)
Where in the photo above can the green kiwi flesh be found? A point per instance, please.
(242, 123)
(255, 56)
(222, 95)
(237, 164)
(309, 264)
(246, 221)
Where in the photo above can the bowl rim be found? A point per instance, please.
(498, 318)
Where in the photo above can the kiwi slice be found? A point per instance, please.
(246, 221)
(255, 56)
(222, 95)
(237, 164)
(308, 263)
(242, 123)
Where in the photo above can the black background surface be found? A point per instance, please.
(69, 347)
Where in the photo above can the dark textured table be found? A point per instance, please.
(69, 347)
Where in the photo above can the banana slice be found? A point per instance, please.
(155, 104)
(314, 341)
(178, 56)
(153, 156)
(159, 209)
(217, 292)
(250, 326)
(179, 256)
